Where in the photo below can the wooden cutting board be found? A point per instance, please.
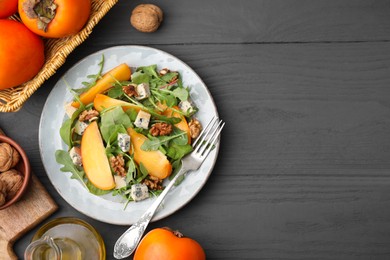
(35, 205)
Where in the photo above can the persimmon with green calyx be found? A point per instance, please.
(155, 162)
(94, 158)
(102, 102)
(54, 18)
(22, 54)
(165, 244)
(121, 72)
(8, 8)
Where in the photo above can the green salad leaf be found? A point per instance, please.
(63, 158)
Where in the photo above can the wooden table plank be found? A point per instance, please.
(252, 21)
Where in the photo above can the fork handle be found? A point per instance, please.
(128, 241)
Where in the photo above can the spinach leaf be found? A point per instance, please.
(114, 121)
(181, 93)
(139, 77)
(95, 190)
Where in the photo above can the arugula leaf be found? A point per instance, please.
(177, 152)
(149, 70)
(172, 120)
(166, 98)
(115, 92)
(94, 77)
(144, 172)
(63, 158)
(169, 76)
(66, 127)
(131, 171)
(181, 136)
(154, 143)
(176, 165)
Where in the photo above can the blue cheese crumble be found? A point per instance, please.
(139, 192)
(124, 142)
(142, 119)
(143, 91)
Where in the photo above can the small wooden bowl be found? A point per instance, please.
(23, 167)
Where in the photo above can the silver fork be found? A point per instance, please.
(128, 241)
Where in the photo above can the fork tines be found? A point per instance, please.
(208, 137)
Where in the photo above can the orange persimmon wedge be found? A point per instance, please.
(119, 73)
(182, 125)
(95, 162)
(155, 162)
(102, 102)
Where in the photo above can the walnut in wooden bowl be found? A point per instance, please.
(15, 172)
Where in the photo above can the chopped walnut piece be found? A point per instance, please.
(195, 128)
(161, 128)
(130, 90)
(118, 165)
(164, 71)
(153, 183)
(88, 115)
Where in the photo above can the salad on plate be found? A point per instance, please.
(127, 130)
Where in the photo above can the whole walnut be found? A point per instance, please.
(3, 192)
(13, 181)
(146, 17)
(9, 157)
(2, 199)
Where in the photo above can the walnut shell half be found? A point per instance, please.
(146, 17)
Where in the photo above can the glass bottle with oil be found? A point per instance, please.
(66, 238)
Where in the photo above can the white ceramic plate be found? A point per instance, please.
(108, 208)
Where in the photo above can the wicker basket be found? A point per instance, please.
(56, 51)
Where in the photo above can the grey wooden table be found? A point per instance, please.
(304, 87)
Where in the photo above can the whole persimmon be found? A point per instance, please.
(54, 18)
(8, 8)
(164, 244)
(22, 54)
